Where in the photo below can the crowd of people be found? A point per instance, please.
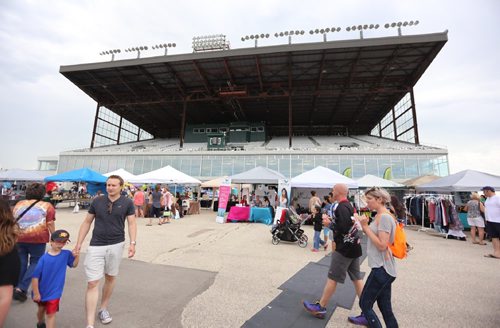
(26, 229)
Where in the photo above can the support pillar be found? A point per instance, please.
(289, 120)
(183, 123)
(119, 131)
(414, 114)
(394, 124)
(95, 125)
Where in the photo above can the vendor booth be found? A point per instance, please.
(124, 174)
(449, 193)
(259, 175)
(94, 180)
(369, 181)
(319, 179)
(170, 176)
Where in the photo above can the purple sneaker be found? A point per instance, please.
(315, 309)
(360, 320)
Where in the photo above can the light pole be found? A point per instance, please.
(255, 37)
(164, 45)
(325, 31)
(361, 28)
(399, 24)
(289, 34)
(110, 52)
(138, 49)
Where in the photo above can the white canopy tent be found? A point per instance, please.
(214, 183)
(23, 175)
(321, 177)
(468, 180)
(167, 175)
(369, 181)
(126, 175)
(258, 175)
(420, 180)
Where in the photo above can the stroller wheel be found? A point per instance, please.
(275, 240)
(303, 241)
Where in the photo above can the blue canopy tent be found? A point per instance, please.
(94, 180)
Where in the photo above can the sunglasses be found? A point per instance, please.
(110, 207)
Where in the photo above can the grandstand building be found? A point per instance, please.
(347, 105)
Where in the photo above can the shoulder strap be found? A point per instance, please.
(26, 210)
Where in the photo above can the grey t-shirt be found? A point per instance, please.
(157, 199)
(376, 258)
(109, 229)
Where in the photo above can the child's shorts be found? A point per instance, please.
(51, 306)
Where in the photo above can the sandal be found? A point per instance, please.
(148, 224)
(475, 242)
(482, 244)
(492, 256)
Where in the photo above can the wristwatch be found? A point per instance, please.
(133, 242)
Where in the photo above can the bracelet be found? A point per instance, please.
(133, 242)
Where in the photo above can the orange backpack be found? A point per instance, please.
(398, 247)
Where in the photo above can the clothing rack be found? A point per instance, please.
(427, 196)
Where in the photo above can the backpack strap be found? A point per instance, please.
(26, 210)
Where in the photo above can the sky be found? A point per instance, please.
(42, 113)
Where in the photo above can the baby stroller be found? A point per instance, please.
(288, 229)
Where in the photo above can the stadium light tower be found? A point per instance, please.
(288, 34)
(210, 43)
(255, 37)
(399, 24)
(138, 49)
(164, 45)
(325, 31)
(361, 28)
(110, 52)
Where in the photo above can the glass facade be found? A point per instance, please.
(207, 166)
(401, 118)
(108, 130)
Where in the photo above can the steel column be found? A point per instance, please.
(119, 131)
(414, 114)
(394, 124)
(95, 125)
(290, 120)
(183, 123)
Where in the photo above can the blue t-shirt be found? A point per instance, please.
(51, 274)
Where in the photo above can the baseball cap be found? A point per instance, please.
(488, 188)
(61, 236)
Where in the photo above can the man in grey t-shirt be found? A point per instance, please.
(106, 246)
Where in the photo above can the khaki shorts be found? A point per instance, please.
(102, 260)
(341, 266)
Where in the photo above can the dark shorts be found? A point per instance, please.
(493, 229)
(51, 306)
(341, 265)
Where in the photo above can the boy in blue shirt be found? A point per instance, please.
(49, 276)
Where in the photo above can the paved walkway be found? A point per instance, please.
(197, 273)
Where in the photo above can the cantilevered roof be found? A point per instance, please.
(348, 84)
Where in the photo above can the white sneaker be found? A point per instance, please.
(105, 317)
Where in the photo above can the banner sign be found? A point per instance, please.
(224, 194)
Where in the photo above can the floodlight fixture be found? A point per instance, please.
(163, 46)
(401, 24)
(290, 33)
(255, 37)
(362, 28)
(138, 49)
(112, 52)
(325, 31)
(212, 42)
